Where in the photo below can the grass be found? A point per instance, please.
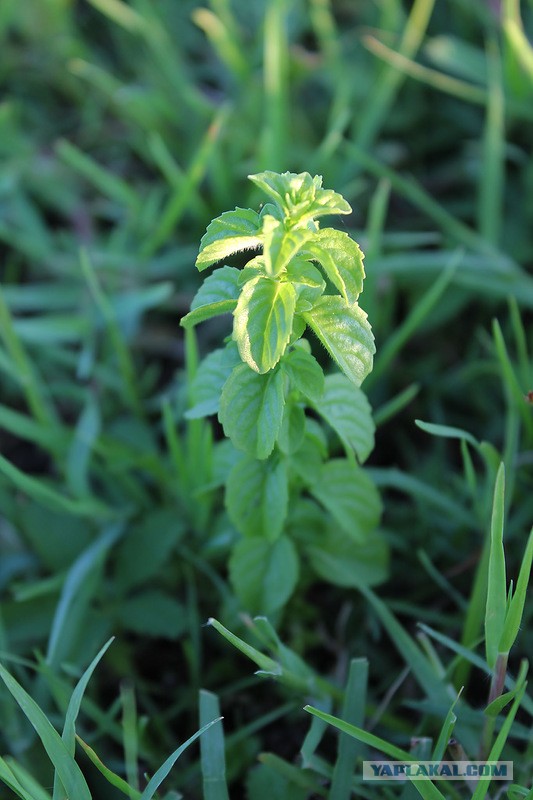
(124, 129)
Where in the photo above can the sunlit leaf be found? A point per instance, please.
(345, 333)
(230, 233)
(263, 322)
(218, 294)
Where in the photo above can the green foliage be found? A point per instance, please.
(262, 404)
(125, 127)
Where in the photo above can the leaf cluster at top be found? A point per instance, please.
(281, 291)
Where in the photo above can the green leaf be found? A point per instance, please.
(513, 618)
(257, 497)
(67, 770)
(263, 322)
(307, 281)
(217, 295)
(496, 590)
(280, 246)
(338, 559)
(251, 410)
(305, 373)
(292, 429)
(209, 380)
(345, 333)
(350, 496)
(300, 196)
(230, 233)
(347, 410)
(264, 573)
(342, 260)
(308, 459)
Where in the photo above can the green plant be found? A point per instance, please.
(450, 726)
(69, 780)
(284, 491)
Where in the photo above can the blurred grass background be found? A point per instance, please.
(124, 128)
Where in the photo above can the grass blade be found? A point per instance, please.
(76, 593)
(41, 493)
(66, 768)
(513, 618)
(353, 712)
(420, 665)
(155, 782)
(493, 164)
(107, 183)
(497, 748)
(379, 102)
(129, 735)
(73, 709)
(412, 323)
(115, 780)
(8, 777)
(276, 48)
(496, 588)
(212, 750)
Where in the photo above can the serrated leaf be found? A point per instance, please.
(264, 573)
(305, 373)
(257, 497)
(152, 613)
(308, 282)
(308, 459)
(232, 232)
(298, 328)
(251, 410)
(210, 377)
(300, 196)
(342, 260)
(338, 559)
(345, 333)
(292, 429)
(280, 246)
(347, 410)
(350, 496)
(263, 322)
(217, 295)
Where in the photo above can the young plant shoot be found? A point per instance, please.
(284, 492)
